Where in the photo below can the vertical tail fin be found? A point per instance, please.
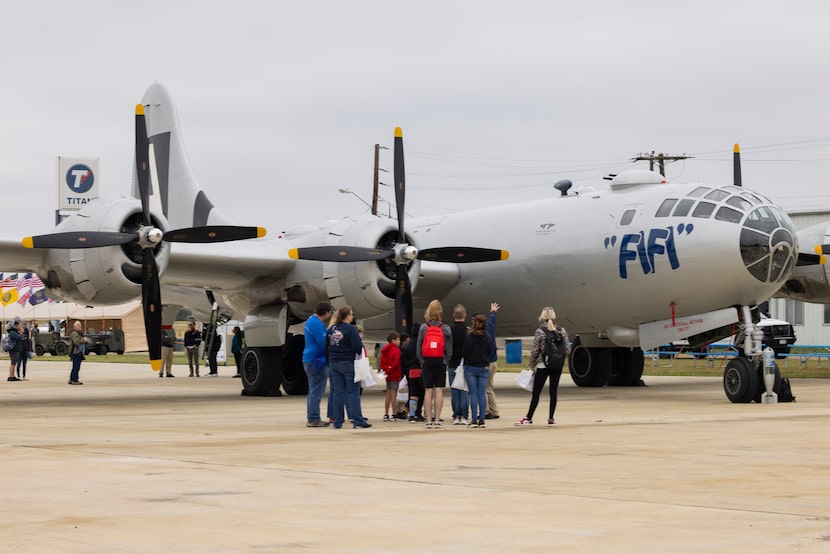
(175, 190)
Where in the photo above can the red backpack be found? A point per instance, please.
(433, 345)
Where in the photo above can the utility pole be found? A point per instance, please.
(376, 180)
(661, 160)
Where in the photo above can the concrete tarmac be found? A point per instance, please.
(129, 462)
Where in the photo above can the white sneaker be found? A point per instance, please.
(523, 421)
(463, 421)
(456, 420)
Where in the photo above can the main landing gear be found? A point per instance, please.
(743, 378)
(597, 367)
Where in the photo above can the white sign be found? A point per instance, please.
(78, 182)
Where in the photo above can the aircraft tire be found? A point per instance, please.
(589, 367)
(626, 367)
(294, 379)
(740, 381)
(102, 350)
(261, 370)
(39, 350)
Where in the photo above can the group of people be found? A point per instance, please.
(20, 345)
(426, 359)
(192, 339)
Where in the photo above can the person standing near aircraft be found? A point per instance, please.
(492, 406)
(236, 349)
(214, 345)
(77, 342)
(434, 351)
(13, 330)
(20, 368)
(550, 349)
(168, 342)
(342, 346)
(390, 363)
(314, 362)
(411, 368)
(459, 398)
(477, 348)
(192, 338)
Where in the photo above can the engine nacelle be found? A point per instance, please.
(107, 275)
(809, 283)
(368, 287)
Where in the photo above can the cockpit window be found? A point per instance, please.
(740, 203)
(627, 217)
(699, 191)
(663, 211)
(752, 198)
(683, 207)
(703, 209)
(728, 214)
(763, 219)
(717, 195)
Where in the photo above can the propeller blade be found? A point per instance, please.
(142, 162)
(403, 301)
(339, 254)
(822, 249)
(809, 259)
(151, 301)
(400, 183)
(462, 254)
(736, 165)
(78, 239)
(214, 233)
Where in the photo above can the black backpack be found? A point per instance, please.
(785, 393)
(553, 354)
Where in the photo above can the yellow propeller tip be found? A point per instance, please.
(139, 109)
(155, 364)
(822, 259)
(260, 232)
(294, 254)
(737, 148)
(28, 242)
(816, 249)
(398, 132)
(505, 254)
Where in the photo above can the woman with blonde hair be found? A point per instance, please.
(434, 349)
(550, 349)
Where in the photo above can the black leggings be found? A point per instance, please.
(542, 375)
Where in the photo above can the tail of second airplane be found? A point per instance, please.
(175, 190)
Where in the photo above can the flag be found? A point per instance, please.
(38, 297)
(23, 297)
(29, 280)
(8, 280)
(8, 296)
(24, 288)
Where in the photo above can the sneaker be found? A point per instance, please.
(161, 375)
(551, 423)
(463, 421)
(523, 421)
(456, 420)
(170, 375)
(212, 375)
(437, 425)
(492, 416)
(75, 383)
(364, 426)
(429, 424)
(481, 423)
(472, 423)
(317, 423)
(412, 419)
(12, 379)
(386, 418)
(420, 419)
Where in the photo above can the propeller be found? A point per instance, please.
(736, 165)
(402, 252)
(148, 237)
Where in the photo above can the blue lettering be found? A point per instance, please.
(661, 242)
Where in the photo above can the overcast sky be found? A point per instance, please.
(282, 102)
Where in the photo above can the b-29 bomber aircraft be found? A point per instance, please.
(629, 268)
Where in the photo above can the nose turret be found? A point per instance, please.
(768, 246)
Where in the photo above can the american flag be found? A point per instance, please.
(8, 280)
(29, 280)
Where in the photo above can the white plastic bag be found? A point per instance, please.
(362, 370)
(403, 388)
(525, 379)
(459, 382)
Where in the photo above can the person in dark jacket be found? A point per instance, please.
(13, 330)
(192, 339)
(236, 349)
(77, 345)
(342, 345)
(20, 369)
(477, 348)
(213, 346)
(411, 369)
(458, 330)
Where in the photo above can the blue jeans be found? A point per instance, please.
(460, 401)
(316, 387)
(477, 383)
(76, 366)
(345, 393)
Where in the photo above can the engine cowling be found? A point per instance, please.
(107, 275)
(809, 283)
(368, 287)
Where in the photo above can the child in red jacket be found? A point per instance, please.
(390, 363)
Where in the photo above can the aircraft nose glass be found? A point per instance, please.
(767, 245)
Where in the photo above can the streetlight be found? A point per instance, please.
(347, 191)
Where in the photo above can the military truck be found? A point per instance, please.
(50, 341)
(103, 343)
